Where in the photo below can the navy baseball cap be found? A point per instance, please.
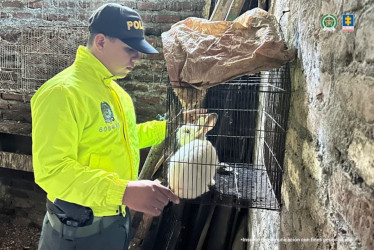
(121, 22)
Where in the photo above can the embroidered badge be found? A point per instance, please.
(107, 112)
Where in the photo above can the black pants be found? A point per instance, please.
(114, 237)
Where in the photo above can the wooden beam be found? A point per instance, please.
(16, 161)
(235, 10)
(14, 127)
(153, 158)
(227, 10)
(220, 10)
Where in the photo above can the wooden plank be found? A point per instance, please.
(16, 161)
(14, 127)
(227, 10)
(153, 158)
(220, 10)
(235, 10)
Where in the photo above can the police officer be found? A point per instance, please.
(86, 141)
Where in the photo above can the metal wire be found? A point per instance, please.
(249, 139)
(34, 50)
(38, 55)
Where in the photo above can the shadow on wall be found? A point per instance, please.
(15, 143)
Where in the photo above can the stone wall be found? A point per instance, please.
(328, 180)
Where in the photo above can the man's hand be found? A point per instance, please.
(192, 115)
(148, 197)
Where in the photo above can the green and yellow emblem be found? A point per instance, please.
(107, 112)
(329, 22)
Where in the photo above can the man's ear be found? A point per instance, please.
(99, 41)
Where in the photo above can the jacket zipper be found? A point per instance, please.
(124, 127)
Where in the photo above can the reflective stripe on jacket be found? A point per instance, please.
(85, 138)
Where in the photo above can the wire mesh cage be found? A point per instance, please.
(234, 154)
(37, 55)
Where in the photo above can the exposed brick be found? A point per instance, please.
(71, 4)
(159, 56)
(161, 89)
(142, 66)
(22, 15)
(146, 18)
(165, 28)
(167, 19)
(146, 76)
(147, 112)
(84, 5)
(148, 99)
(83, 17)
(180, 6)
(157, 68)
(130, 4)
(51, 17)
(14, 4)
(39, 16)
(355, 208)
(136, 87)
(7, 96)
(63, 17)
(152, 41)
(152, 31)
(4, 15)
(151, 6)
(38, 4)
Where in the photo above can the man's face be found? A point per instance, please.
(118, 57)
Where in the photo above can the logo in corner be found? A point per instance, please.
(107, 112)
(348, 22)
(329, 22)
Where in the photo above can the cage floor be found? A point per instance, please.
(241, 185)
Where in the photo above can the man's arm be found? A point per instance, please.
(151, 133)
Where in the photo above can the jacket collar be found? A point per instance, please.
(87, 61)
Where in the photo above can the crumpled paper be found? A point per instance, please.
(200, 53)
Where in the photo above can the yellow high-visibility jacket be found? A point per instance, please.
(85, 138)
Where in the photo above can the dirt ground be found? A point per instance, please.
(18, 234)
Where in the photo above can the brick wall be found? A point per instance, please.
(146, 84)
(328, 176)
